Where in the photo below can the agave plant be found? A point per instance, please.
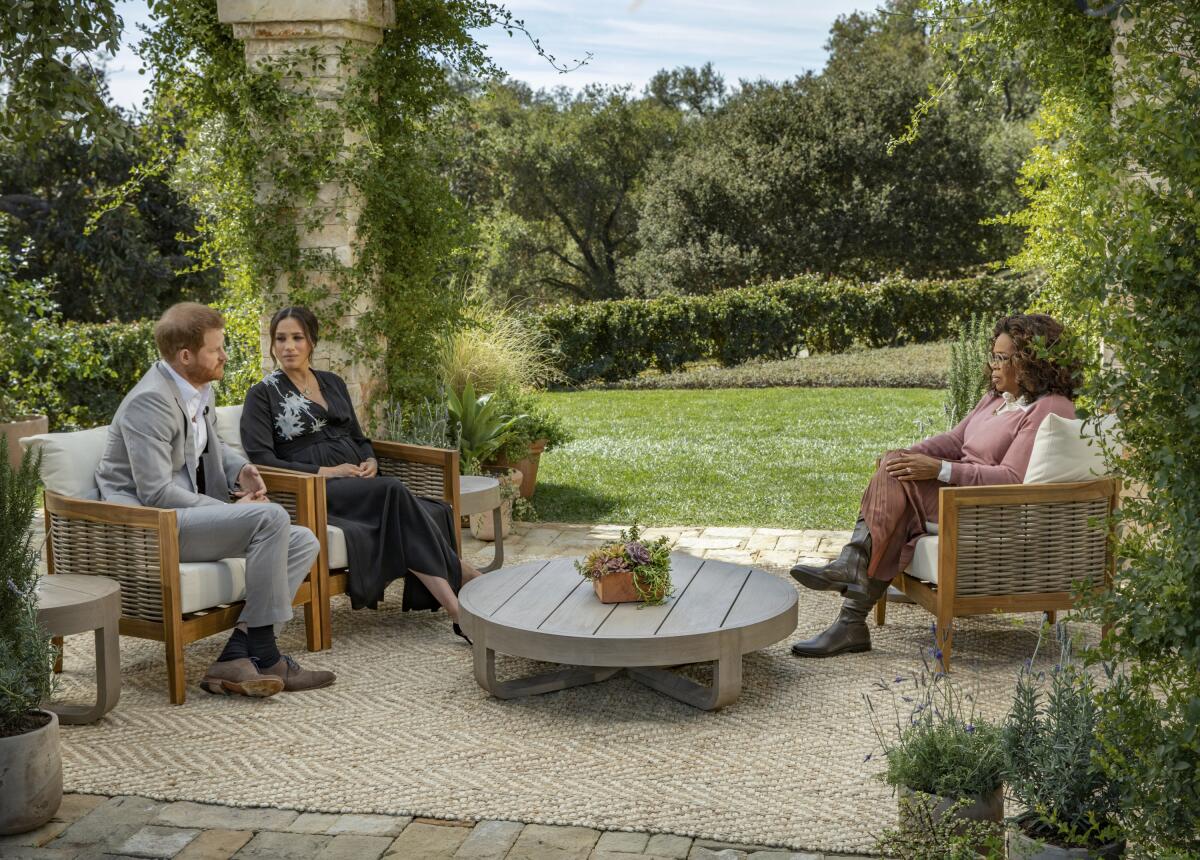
(482, 428)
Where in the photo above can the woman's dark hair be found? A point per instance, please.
(306, 318)
(1042, 362)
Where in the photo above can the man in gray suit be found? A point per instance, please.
(163, 451)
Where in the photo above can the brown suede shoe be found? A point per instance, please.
(240, 677)
(296, 679)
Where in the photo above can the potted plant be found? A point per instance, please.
(481, 427)
(630, 569)
(15, 425)
(1051, 767)
(30, 761)
(943, 760)
(538, 430)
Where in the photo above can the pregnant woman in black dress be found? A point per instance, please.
(303, 419)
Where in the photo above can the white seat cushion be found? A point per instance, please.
(924, 561)
(69, 460)
(1067, 450)
(205, 584)
(229, 427)
(337, 548)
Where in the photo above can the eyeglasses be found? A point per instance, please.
(997, 359)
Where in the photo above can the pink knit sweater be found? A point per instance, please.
(986, 448)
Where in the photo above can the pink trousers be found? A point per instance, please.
(896, 513)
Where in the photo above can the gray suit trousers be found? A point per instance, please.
(278, 555)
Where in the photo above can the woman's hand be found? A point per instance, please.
(911, 466)
(368, 468)
(345, 470)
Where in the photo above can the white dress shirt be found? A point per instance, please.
(194, 401)
(1010, 404)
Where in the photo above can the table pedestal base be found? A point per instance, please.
(725, 687)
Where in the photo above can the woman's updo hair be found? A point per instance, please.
(1040, 360)
(306, 318)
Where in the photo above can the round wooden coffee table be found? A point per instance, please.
(545, 610)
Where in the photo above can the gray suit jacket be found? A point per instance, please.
(149, 441)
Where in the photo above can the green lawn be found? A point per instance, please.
(781, 457)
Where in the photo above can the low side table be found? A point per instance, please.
(478, 495)
(71, 603)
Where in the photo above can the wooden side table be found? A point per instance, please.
(478, 495)
(71, 603)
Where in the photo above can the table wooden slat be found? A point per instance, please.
(488, 593)
(540, 596)
(758, 598)
(581, 614)
(633, 619)
(707, 601)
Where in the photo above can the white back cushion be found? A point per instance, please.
(1066, 450)
(69, 460)
(229, 427)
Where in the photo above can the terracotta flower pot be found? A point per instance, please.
(14, 431)
(527, 466)
(619, 588)
(31, 765)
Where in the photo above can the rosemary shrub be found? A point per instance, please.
(968, 377)
(26, 654)
(1052, 754)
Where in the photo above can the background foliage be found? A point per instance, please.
(1114, 224)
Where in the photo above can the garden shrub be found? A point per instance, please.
(616, 340)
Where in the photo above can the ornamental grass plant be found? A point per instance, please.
(26, 652)
(496, 349)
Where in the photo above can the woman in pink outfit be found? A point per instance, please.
(990, 446)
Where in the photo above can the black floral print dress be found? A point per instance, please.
(389, 531)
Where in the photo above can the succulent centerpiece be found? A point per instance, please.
(630, 569)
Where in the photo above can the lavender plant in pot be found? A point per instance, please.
(1051, 768)
(943, 759)
(30, 760)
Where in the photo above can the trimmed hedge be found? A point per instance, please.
(615, 340)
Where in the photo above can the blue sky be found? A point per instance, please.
(629, 40)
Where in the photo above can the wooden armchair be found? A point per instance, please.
(1010, 548)
(428, 472)
(161, 598)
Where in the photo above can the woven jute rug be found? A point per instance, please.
(406, 731)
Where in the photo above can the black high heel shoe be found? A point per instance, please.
(458, 632)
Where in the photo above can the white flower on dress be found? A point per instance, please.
(291, 421)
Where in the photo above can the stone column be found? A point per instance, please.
(340, 33)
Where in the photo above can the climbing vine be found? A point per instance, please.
(269, 146)
(1114, 226)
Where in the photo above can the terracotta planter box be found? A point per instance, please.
(14, 431)
(618, 588)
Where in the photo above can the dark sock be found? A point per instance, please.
(262, 645)
(237, 647)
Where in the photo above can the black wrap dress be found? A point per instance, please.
(389, 531)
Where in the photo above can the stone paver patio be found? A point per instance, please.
(88, 827)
